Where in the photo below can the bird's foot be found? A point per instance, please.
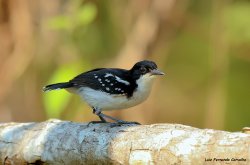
(122, 122)
(128, 122)
(96, 122)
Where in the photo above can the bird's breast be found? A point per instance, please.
(106, 101)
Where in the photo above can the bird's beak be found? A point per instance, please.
(156, 72)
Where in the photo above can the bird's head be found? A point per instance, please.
(145, 70)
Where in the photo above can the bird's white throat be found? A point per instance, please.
(144, 87)
(145, 81)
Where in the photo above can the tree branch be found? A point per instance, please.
(64, 142)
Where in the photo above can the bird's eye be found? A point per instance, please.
(143, 70)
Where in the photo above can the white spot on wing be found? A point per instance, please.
(121, 81)
(109, 75)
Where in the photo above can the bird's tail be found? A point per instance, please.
(57, 86)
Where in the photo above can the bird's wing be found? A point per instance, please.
(93, 70)
(113, 81)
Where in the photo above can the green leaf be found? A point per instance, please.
(59, 23)
(86, 14)
(238, 22)
(56, 101)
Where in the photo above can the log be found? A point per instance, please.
(65, 142)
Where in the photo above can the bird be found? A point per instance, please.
(105, 89)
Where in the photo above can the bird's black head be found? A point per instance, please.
(145, 68)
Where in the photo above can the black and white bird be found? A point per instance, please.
(112, 88)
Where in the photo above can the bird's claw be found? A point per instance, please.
(121, 122)
(96, 122)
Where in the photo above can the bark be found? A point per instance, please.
(64, 142)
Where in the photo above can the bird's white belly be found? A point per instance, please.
(105, 101)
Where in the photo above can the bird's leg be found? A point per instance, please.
(118, 121)
(103, 116)
(98, 113)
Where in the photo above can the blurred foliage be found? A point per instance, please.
(203, 46)
(82, 16)
(238, 94)
(55, 103)
(237, 22)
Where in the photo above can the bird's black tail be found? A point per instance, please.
(57, 86)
